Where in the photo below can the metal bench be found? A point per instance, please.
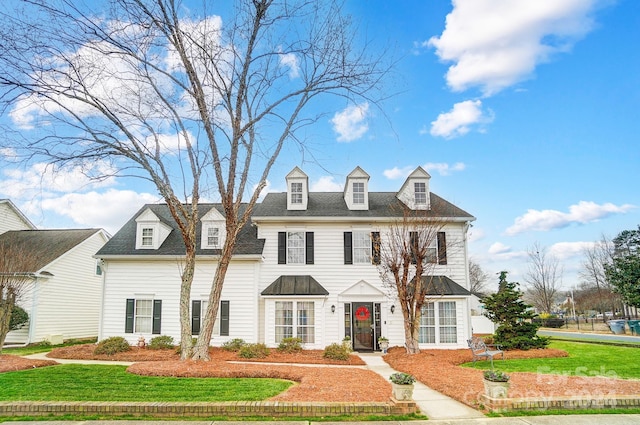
(481, 351)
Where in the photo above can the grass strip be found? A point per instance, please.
(78, 382)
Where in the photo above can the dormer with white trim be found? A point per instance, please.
(213, 230)
(297, 190)
(356, 190)
(150, 230)
(414, 193)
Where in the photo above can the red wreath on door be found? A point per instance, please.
(362, 313)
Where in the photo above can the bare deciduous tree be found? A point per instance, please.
(597, 290)
(17, 268)
(409, 251)
(543, 278)
(477, 278)
(174, 95)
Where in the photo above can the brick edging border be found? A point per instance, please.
(560, 403)
(202, 409)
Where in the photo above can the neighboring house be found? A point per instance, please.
(63, 297)
(11, 218)
(304, 267)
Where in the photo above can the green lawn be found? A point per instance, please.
(584, 360)
(76, 382)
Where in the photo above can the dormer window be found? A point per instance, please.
(147, 236)
(358, 193)
(420, 193)
(296, 193)
(213, 236)
(213, 230)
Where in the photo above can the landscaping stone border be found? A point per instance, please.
(560, 403)
(228, 409)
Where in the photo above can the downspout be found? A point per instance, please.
(101, 319)
(34, 310)
(467, 225)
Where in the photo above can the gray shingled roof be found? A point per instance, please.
(45, 245)
(295, 285)
(331, 204)
(124, 241)
(442, 285)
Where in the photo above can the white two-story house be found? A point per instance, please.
(304, 267)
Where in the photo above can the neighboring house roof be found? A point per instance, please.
(331, 204)
(442, 285)
(45, 245)
(295, 285)
(18, 213)
(123, 243)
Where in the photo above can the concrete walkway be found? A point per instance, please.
(434, 405)
(43, 356)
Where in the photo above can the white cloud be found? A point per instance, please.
(108, 210)
(494, 44)
(566, 250)
(290, 60)
(459, 120)
(8, 154)
(326, 184)
(584, 212)
(398, 173)
(500, 251)
(443, 168)
(350, 124)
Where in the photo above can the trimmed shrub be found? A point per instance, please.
(234, 344)
(290, 345)
(111, 346)
(254, 351)
(19, 317)
(161, 342)
(336, 352)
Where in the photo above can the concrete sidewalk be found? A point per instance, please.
(432, 403)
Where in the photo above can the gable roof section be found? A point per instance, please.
(295, 285)
(123, 243)
(18, 213)
(46, 245)
(331, 204)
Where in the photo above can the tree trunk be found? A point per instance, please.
(186, 344)
(6, 308)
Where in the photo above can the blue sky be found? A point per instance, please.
(526, 115)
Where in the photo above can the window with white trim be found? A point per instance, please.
(147, 236)
(143, 318)
(295, 247)
(420, 193)
(358, 193)
(213, 236)
(295, 319)
(143, 315)
(361, 247)
(296, 193)
(221, 324)
(438, 323)
(432, 251)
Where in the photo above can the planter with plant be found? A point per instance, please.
(402, 386)
(383, 343)
(496, 383)
(346, 343)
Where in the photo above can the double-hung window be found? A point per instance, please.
(420, 192)
(213, 237)
(358, 193)
(221, 325)
(147, 236)
(361, 247)
(296, 193)
(143, 316)
(295, 247)
(295, 319)
(438, 323)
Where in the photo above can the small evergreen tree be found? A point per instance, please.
(513, 316)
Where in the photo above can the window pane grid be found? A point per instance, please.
(147, 236)
(143, 316)
(358, 193)
(304, 321)
(295, 248)
(420, 190)
(296, 193)
(361, 247)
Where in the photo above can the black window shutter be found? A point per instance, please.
(375, 248)
(128, 319)
(309, 247)
(157, 316)
(348, 248)
(442, 248)
(224, 318)
(196, 314)
(413, 241)
(282, 247)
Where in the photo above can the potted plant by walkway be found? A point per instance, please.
(496, 383)
(402, 386)
(383, 343)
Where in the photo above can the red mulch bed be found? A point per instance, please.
(439, 370)
(10, 363)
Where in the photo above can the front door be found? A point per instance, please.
(363, 329)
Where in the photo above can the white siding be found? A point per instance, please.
(9, 220)
(160, 280)
(68, 303)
